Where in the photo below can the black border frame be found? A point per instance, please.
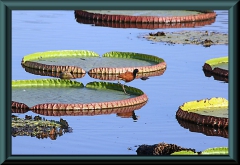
(6, 6)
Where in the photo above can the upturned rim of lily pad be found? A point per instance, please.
(203, 15)
(218, 73)
(140, 98)
(144, 25)
(192, 112)
(26, 60)
(160, 64)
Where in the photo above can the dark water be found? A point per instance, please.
(183, 81)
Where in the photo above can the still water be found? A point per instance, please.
(183, 81)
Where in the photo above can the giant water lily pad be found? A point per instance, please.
(72, 62)
(145, 16)
(217, 67)
(211, 112)
(205, 38)
(58, 94)
(209, 151)
(145, 19)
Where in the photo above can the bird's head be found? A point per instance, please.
(135, 71)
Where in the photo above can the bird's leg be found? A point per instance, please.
(124, 89)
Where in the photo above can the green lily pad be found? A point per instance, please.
(184, 153)
(209, 151)
(61, 94)
(79, 61)
(216, 151)
(217, 61)
(217, 67)
(211, 112)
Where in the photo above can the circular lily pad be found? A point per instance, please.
(68, 63)
(211, 112)
(204, 38)
(144, 16)
(217, 67)
(59, 94)
(143, 25)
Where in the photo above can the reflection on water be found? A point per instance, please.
(209, 131)
(216, 76)
(146, 25)
(50, 74)
(39, 127)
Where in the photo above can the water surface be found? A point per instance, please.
(183, 81)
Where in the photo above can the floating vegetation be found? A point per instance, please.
(39, 127)
(204, 38)
(162, 149)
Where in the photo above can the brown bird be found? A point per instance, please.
(127, 77)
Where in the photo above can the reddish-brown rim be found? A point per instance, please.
(212, 121)
(142, 69)
(53, 68)
(215, 71)
(144, 25)
(113, 77)
(145, 19)
(93, 106)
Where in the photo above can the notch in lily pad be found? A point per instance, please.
(66, 95)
